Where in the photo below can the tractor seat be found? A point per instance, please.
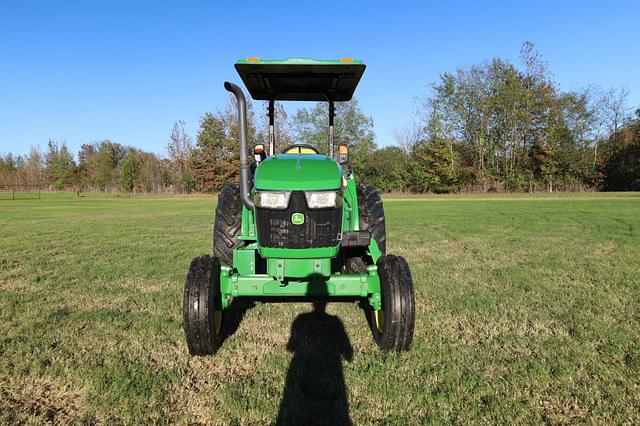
(301, 148)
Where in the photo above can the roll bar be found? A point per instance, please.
(272, 136)
(330, 142)
(332, 113)
(245, 190)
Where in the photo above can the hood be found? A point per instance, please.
(298, 172)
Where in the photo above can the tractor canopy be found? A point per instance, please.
(298, 172)
(301, 79)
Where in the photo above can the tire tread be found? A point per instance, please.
(202, 286)
(227, 223)
(398, 305)
(371, 212)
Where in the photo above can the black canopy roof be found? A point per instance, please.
(300, 79)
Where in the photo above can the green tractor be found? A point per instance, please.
(298, 227)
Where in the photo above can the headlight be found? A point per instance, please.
(322, 200)
(272, 200)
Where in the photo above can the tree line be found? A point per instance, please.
(495, 126)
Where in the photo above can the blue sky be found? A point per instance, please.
(83, 71)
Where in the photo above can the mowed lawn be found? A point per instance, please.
(528, 311)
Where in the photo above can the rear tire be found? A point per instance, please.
(202, 306)
(371, 212)
(227, 224)
(393, 326)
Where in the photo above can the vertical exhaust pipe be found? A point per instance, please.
(245, 191)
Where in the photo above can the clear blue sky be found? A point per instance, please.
(126, 70)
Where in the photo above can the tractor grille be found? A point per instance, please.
(321, 227)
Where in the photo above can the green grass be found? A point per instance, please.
(528, 311)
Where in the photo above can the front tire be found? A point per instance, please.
(202, 306)
(393, 325)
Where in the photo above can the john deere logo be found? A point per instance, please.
(297, 218)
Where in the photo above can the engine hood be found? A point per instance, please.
(298, 172)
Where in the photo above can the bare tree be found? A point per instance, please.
(180, 143)
(535, 67)
(282, 127)
(616, 108)
(407, 136)
(179, 149)
(598, 123)
(34, 166)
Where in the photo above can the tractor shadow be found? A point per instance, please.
(234, 315)
(315, 392)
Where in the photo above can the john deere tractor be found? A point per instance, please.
(298, 227)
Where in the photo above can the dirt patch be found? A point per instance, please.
(46, 400)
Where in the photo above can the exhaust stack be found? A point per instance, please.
(245, 196)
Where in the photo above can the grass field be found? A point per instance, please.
(528, 311)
